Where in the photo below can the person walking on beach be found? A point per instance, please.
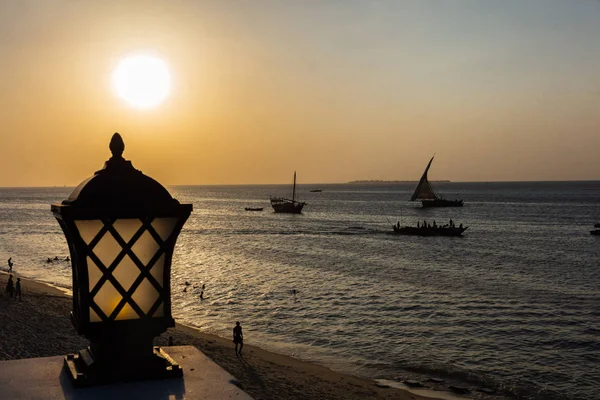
(10, 265)
(10, 286)
(18, 289)
(238, 338)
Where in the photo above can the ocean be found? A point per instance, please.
(513, 305)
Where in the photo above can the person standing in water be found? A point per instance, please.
(10, 265)
(238, 338)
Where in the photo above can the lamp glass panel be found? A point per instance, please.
(164, 226)
(107, 298)
(94, 273)
(160, 311)
(88, 229)
(145, 295)
(158, 269)
(127, 227)
(94, 317)
(145, 247)
(107, 249)
(126, 272)
(127, 313)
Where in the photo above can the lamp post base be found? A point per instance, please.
(85, 371)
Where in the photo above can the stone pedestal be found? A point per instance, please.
(45, 379)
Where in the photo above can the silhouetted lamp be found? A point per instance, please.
(121, 227)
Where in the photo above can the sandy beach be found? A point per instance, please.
(38, 326)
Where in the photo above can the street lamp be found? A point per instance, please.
(121, 227)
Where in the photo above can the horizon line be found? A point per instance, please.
(325, 183)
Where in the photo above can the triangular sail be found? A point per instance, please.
(424, 190)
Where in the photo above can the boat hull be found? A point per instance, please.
(253, 208)
(286, 206)
(438, 231)
(441, 203)
(595, 232)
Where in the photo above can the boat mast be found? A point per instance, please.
(294, 190)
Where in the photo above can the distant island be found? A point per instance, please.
(379, 181)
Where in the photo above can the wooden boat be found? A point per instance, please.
(253, 208)
(316, 190)
(430, 231)
(288, 206)
(428, 196)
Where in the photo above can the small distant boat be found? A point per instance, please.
(316, 190)
(428, 196)
(430, 230)
(288, 206)
(596, 231)
(253, 208)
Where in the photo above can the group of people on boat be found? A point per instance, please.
(433, 225)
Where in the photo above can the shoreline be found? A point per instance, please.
(39, 326)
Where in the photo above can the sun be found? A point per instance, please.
(142, 81)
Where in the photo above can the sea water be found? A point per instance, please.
(512, 305)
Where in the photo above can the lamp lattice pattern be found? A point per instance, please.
(125, 261)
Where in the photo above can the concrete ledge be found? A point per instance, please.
(44, 379)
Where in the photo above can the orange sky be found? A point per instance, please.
(335, 90)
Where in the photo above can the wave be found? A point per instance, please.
(453, 376)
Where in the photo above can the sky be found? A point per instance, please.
(336, 90)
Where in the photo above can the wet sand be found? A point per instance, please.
(39, 326)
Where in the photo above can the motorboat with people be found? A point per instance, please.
(288, 206)
(427, 229)
(428, 195)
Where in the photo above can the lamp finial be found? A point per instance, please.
(116, 145)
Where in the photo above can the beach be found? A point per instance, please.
(39, 326)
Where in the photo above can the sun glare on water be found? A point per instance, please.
(142, 81)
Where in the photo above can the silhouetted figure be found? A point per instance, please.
(434, 224)
(18, 289)
(67, 259)
(418, 224)
(203, 286)
(185, 289)
(49, 260)
(10, 286)
(10, 265)
(460, 226)
(55, 258)
(187, 283)
(451, 223)
(202, 295)
(170, 340)
(238, 338)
